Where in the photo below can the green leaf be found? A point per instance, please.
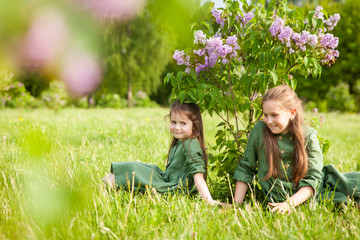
(277, 50)
(293, 83)
(207, 25)
(297, 14)
(192, 94)
(262, 82)
(167, 78)
(274, 76)
(182, 96)
(306, 61)
(221, 124)
(231, 20)
(173, 81)
(193, 74)
(318, 24)
(238, 27)
(179, 76)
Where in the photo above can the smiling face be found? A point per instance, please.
(181, 126)
(276, 117)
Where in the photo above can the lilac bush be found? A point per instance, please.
(240, 52)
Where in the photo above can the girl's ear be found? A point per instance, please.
(293, 112)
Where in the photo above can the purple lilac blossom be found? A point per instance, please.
(224, 61)
(179, 57)
(330, 56)
(218, 34)
(232, 40)
(213, 44)
(200, 37)
(224, 50)
(233, 55)
(304, 37)
(81, 73)
(285, 34)
(217, 15)
(318, 13)
(187, 60)
(200, 67)
(328, 40)
(312, 40)
(247, 17)
(276, 26)
(332, 21)
(200, 52)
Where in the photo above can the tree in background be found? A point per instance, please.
(137, 52)
(345, 74)
(135, 56)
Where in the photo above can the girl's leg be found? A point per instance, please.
(109, 181)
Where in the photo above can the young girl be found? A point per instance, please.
(288, 159)
(187, 159)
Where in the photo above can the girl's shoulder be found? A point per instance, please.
(191, 144)
(309, 132)
(191, 141)
(259, 126)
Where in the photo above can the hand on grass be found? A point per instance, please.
(283, 207)
(216, 202)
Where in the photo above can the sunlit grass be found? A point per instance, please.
(51, 166)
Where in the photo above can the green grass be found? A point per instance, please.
(51, 165)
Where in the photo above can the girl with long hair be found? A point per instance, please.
(186, 164)
(287, 158)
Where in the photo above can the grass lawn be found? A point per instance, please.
(51, 164)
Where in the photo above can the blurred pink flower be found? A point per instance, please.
(113, 9)
(81, 73)
(45, 39)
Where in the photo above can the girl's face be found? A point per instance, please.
(180, 126)
(276, 117)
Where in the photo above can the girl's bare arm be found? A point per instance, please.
(203, 189)
(298, 198)
(240, 192)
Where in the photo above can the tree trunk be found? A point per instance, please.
(129, 93)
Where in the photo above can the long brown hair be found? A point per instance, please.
(193, 113)
(288, 100)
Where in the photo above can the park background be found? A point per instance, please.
(60, 135)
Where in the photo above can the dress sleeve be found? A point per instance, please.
(314, 175)
(246, 169)
(194, 157)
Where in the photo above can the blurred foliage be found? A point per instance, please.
(34, 81)
(13, 93)
(135, 56)
(346, 70)
(110, 100)
(339, 98)
(137, 52)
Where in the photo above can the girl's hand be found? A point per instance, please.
(283, 207)
(216, 202)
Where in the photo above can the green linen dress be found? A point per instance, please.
(185, 160)
(327, 182)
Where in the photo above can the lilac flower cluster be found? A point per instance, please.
(247, 17)
(217, 15)
(325, 43)
(212, 50)
(318, 13)
(221, 21)
(332, 21)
